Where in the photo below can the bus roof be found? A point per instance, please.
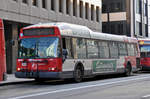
(73, 30)
(143, 39)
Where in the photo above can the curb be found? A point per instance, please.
(15, 82)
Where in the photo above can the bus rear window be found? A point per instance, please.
(38, 31)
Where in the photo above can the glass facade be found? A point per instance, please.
(133, 17)
(113, 6)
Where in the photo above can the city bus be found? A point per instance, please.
(2, 53)
(144, 45)
(62, 50)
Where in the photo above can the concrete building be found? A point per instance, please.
(126, 17)
(19, 13)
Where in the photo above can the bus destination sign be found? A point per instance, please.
(38, 31)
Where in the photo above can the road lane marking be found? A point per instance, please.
(82, 87)
(146, 97)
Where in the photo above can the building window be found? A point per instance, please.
(25, 1)
(115, 6)
(92, 12)
(97, 14)
(104, 27)
(104, 8)
(146, 30)
(138, 28)
(120, 29)
(52, 5)
(113, 28)
(34, 2)
(118, 6)
(86, 10)
(145, 9)
(67, 6)
(60, 5)
(74, 7)
(139, 6)
(112, 7)
(44, 4)
(81, 9)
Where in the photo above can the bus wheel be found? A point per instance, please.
(128, 70)
(78, 75)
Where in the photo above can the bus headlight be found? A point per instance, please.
(18, 69)
(52, 69)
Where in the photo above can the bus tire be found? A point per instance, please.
(78, 74)
(128, 70)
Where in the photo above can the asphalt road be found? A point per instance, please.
(108, 87)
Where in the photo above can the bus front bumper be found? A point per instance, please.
(146, 68)
(50, 75)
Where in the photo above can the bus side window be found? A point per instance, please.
(136, 49)
(79, 46)
(131, 50)
(122, 49)
(66, 44)
(103, 49)
(113, 49)
(92, 49)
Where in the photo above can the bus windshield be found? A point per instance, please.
(145, 50)
(44, 47)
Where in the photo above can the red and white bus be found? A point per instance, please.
(63, 50)
(144, 45)
(2, 53)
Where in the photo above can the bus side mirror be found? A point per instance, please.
(65, 53)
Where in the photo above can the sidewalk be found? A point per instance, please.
(11, 79)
